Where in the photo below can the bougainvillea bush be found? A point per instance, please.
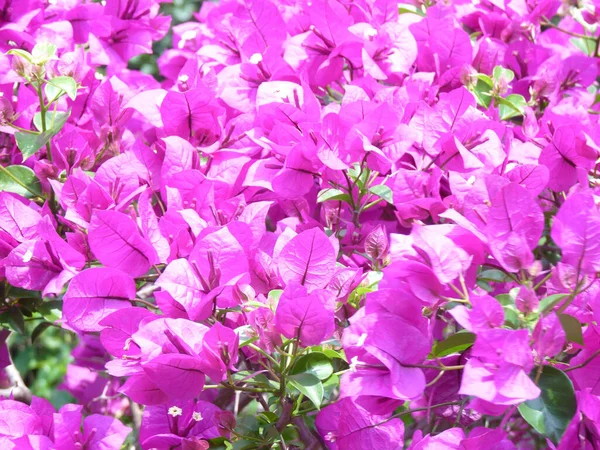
(324, 224)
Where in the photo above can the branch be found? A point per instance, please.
(15, 386)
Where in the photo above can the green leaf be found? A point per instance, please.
(29, 143)
(43, 52)
(334, 354)
(54, 121)
(511, 316)
(454, 344)
(485, 79)
(508, 299)
(331, 387)
(22, 53)
(502, 73)
(572, 328)
(405, 8)
(547, 303)
(511, 106)
(55, 86)
(383, 192)
(247, 335)
(43, 326)
(13, 320)
(493, 275)
(333, 194)
(310, 386)
(20, 180)
(316, 363)
(551, 412)
(482, 89)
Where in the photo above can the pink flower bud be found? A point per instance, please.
(376, 243)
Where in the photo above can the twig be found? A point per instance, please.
(585, 363)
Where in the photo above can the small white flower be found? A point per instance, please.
(256, 58)
(197, 416)
(27, 256)
(175, 411)
(361, 340)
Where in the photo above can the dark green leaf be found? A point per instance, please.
(310, 386)
(551, 412)
(331, 387)
(20, 180)
(572, 328)
(383, 191)
(493, 275)
(454, 344)
(334, 354)
(547, 303)
(43, 326)
(316, 363)
(13, 320)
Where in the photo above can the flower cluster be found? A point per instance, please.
(329, 224)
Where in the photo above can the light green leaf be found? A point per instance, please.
(22, 53)
(20, 180)
(310, 386)
(383, 191)
(333, 194)
(502, 73)
(547, 303)
(511, 316)
(315, 363)
(551, 412)
(55, 86)
(54, 120)
(29, 143)
(43, 52)
(511, 106)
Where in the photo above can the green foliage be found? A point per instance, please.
(43, 363)
(552, 411)
(454, 344)
(20, 180)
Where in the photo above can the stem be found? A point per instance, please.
(265, 354)
(542, 281)
(144, 302)
(585, 363)
(436, 379)
(43, 114)
(547, 23)
(410, 411)
(440, 367)
(538, 373)
(24, 130)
